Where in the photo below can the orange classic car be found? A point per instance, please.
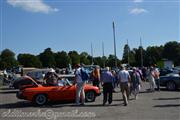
(64, 91)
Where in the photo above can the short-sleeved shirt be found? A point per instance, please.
(123, 75)
(107, 77)
(135, 79)
(78, 75)
(156, 73)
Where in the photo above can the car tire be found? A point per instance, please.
(90, 96)
(40, 99)
(171, 86)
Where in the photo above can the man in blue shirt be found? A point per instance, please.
(107, 83)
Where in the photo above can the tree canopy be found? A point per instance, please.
(28, 60)
(62, 59)
(7, 59)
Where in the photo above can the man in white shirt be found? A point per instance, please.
(79, 86)
(124, 78)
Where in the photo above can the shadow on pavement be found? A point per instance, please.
(117, 99)
(167, 105)
(147, 91)
(165, 89)
(26, 104)
(16, 105)
(8, 92)
(176, 98)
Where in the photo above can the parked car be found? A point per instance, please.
(163, 72)
(41, 94)
(69, 77)
(19, 82)
(171, 82)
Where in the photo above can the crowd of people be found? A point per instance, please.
(129, 82)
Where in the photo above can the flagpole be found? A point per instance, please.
(114, 44)
(141, 52)
(103, 54)
(128, 50)
(92, 53)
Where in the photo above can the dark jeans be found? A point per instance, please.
(158, 84)
(96, 83)
(107, 92)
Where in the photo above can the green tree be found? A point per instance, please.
(104, 60)
(137, 55)
(98, 61)
(7, 59)
(75, 58)
(111, 61)
(132, 61)
(62, 59)
(84, 58)
(126, 54)
(153, 55)
(90, 59)
(172, 52)
(47, 58)
(28, 60)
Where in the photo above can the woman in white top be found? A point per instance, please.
(151, 79)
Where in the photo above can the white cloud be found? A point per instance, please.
(32, 5)
(138, 1)
(137, 11)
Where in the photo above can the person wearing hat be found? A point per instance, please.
(80, 94)
(51, 78)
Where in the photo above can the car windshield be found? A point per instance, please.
(64, 82)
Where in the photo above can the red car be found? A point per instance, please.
(40, 94)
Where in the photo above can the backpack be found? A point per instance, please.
(84, 75)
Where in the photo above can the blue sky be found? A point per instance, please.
(30, 26)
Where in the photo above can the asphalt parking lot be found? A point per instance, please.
(163, 105)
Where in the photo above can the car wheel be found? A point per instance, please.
(171, 85)
(40, 99)
(90, 96)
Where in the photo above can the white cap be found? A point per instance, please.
(51, 70)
